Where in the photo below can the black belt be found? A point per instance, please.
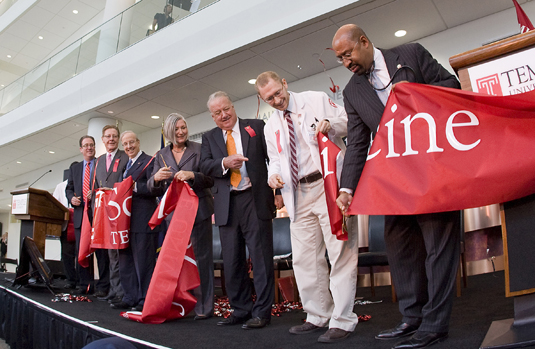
(238, 192)
(311, 178)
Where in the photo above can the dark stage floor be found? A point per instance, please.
(481, 303)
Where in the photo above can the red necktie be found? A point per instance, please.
(85, 188)
(293, 149)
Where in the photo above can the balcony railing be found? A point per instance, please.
(115, 35)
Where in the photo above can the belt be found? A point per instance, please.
(238, 192)
(311, 177)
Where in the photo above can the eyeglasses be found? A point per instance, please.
(271, 98)
(129, 144)
(347, 55)
(111, 136)
(89, 145)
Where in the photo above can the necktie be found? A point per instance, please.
(235, 175)
(85, 188)
(128, 166)
(108, 161)
(378, 85)
(293, 149)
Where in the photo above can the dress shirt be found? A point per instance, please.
(245, 182)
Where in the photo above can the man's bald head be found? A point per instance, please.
(353, 49)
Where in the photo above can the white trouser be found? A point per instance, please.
(311, 234)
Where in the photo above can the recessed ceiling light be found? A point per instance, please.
(1, 85)
(299, 67)
(18, 162)
(110, 111)
(75, 12)
(8, 56)
(155, 117)
(400, 33)
(252, 81)
(52, 152)
(40, 37)
(9, 205)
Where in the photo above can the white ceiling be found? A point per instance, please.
(284, 52)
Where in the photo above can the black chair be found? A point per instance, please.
(218, 256)
(282, 251)
(376, 255)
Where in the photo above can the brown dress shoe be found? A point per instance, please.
(307, 327)
(333, 335)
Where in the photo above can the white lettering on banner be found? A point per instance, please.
(179, 305)
(125, 208)
(116, 205)
(98, 198)
(325, 154)
(162, 206)
(433, 146)
(123, 234)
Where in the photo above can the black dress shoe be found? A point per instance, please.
(233, 320)
(202, 317)
(401, 330)
(255, 322)
(421, 340)
(70, 286)
(138, 307)
(100, 294)
(121, 305)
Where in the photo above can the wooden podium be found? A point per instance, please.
(518, 216)
(40, 214)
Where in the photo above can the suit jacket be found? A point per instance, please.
(200, 184)
(143, 200)
(214, 149)
(311, 106)
(106, 179)
(74, 186)
(364, 108)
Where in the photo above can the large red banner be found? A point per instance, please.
(176, 270)
(111, 221)
(439, 149)
(329, 153)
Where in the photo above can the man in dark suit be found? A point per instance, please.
(79, 174)
(423, 250)
(137, 261)
(234, 154)
(110, 169)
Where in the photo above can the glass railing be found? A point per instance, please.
(127, 28)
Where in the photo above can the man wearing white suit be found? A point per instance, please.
(295, 169)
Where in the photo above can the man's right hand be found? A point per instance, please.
(234, 161)
(75, 201)
(343, 201)
(275, 181)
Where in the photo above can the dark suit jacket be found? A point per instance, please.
(364, 108)
(213, 151)
(74, 186)
(201, 184)
(106, 179)
(143, 201)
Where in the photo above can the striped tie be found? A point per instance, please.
(293, 149)
(85, 188)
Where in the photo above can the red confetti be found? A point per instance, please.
(222, 307)
(67, 297)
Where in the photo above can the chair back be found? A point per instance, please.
(216, 241)
(376, 234)
(282, 244)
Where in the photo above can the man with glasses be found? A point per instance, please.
(423, 250)
(110, 169)
(137, 261)
(295, 169)
(78, 187)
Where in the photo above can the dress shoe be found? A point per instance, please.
(100, 294)
(255, 322)
(115, 300)
(401, 330)
(120, 305)
(138, 307)
(202, 317)
(333, 335)
(421, 340)
(233, 320)
(305, 328)
(70, 286)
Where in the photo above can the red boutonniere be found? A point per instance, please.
(250, 131)
(116, 164)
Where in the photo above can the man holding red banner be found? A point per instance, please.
(295, 168)
(423, 250)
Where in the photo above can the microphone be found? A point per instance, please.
(40, 178)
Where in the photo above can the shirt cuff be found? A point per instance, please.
(225, 170)
(347, 190)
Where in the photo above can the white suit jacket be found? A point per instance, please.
(312, 106)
